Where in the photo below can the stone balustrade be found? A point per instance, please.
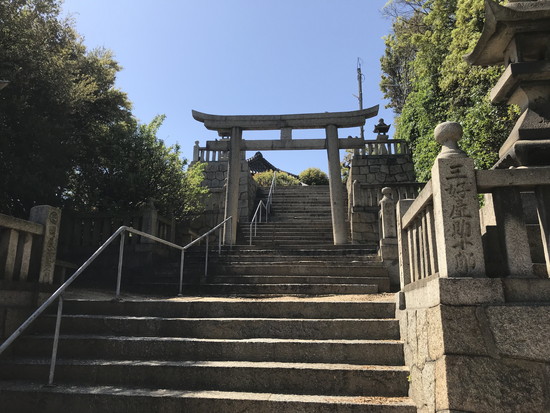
(370, 195)
(203, 154)
(384, 147)
(439, 233)
(28, 249)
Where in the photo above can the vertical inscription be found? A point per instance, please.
(457, 188)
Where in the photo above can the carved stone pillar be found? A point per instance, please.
(50, 217)
(456, 208)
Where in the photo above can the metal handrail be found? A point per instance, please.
(265, 206)
(254, 221)
(219, 226)
(58, 294)
(270, 195)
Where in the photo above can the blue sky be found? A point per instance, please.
(240, 57)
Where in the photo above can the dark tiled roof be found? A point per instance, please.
(258, 163)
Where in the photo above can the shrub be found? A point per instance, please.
(283, 179)
(313, 176)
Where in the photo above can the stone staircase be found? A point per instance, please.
(200, 355)
(284, 327)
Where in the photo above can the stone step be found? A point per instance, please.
(302, 207)
(269, 242)
(310, 259)
(360, 352)
(294, 232)
(294, 279)
(29, 397)
(302, 213)
(296, 237)
(320, 200)
(282, 226)
(329, 251)
(313, 201)
(298, 219)
(302, 259)
(254, 268)
(293, 216)
(218, 289)
(312, 224)
(287, 227)
(236, 328)
(233, 308)
(244, 376)
(338, 262)
(301, 188)
(299, 200)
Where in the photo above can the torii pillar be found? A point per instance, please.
(233, 183)
(339, 233)
(234, 126)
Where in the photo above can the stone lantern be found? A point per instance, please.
(381, 129)
(517, 35)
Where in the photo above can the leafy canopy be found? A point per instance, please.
(67, 134)
(313, 176)
(282, 179)
(427, 80)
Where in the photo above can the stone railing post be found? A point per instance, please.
(196, 152)
(388, 224)
(50, 217)
(402, 207)
(388, 236)
(150, 221)
(456, 208)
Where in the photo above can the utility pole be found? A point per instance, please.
(360, 97)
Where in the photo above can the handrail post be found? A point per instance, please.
(231, 233)
(219, 241)
(206, 260)
(182, 260)
(55, 340)
(120, 258)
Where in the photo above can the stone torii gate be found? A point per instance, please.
(233, 127)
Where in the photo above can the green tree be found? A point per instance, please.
(313, 176)
(60, 99)
(282, 179)
(429, 40)
(67, 135)
(133, 166)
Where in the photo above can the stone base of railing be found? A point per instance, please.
(477, 344)
(17, 302)
(388, 252)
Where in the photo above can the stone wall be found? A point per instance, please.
(215, 178)
(477, 345)
(367, 176)
(382, 169)
(15, 307)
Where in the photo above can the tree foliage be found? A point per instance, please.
(313, 176)
(428, 81)
(133, 166)
(67, 134)
(282, 179)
